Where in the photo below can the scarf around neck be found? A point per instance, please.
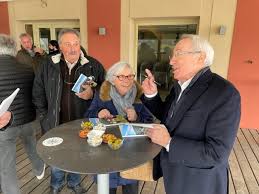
(123, 102)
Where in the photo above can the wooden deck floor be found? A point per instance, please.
(244, 170)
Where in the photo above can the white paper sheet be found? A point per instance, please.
(7, 102)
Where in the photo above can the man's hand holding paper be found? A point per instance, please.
(4, 119)
(159, 134)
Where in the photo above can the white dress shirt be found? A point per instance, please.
(183, 86)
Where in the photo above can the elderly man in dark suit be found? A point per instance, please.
(200, 115)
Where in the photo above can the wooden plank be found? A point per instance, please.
(119, 190)
(149, 187)
(20, 152)
(21, 158)
(140, 186)
(32, 182)
(245, 167)
(43, 186)
(255, 134)
(87, 182)
(231, 184)
(160, 189)
(252, 143)
(92, 189)
(23, 171)
(238, 180)
(19, 146)
(22, 164)
(25, 179)
(250, 154)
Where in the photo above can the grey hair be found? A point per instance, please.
(25, 35)
(201, 44)
(67, 31)
(115, 69)
(7, 45)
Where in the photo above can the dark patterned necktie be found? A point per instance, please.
(177, 90)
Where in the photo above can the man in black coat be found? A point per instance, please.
(53, 95)
(15, 75)
(200, 115)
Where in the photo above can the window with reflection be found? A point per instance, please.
(155, 43)
(44, 38)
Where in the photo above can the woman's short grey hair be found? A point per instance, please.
(115, 69)
(200, 44)
(7, 45)
(67, 31)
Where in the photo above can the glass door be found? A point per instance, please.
(44, 37)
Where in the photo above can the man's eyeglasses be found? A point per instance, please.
(180, 53)
(124, 77)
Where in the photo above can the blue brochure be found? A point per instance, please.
(76, 88)
(128, 130)
(83, 80)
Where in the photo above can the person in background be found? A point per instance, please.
(201, 117)
(53, 47)
(13, 75)
(29, 54)
(55, 79)
(120, 95)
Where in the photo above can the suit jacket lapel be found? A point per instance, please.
(190, 97)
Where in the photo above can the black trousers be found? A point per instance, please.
(126, 189)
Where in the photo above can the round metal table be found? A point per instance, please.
(76, 156)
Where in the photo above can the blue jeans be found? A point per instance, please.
(58, 178)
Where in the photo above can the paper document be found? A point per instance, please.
(83, 80)
(7, 102)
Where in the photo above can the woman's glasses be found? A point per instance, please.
(124, 77)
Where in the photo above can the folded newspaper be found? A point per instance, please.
(4, 106)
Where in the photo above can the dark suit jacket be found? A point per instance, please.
(203, 129)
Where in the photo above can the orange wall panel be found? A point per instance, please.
(4, 19)
(103, 13)
(244, 61)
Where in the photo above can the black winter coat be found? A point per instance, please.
(48, 84)
(15, 75)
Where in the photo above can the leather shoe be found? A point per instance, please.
(78, 189)
(53, 191)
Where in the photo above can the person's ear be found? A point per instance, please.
(202, 57)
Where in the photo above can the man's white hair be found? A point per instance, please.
(201, 44)
(25, 35)
(115, 69)
(7, 45)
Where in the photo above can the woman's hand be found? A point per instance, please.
(105, 114)
(131, 114)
